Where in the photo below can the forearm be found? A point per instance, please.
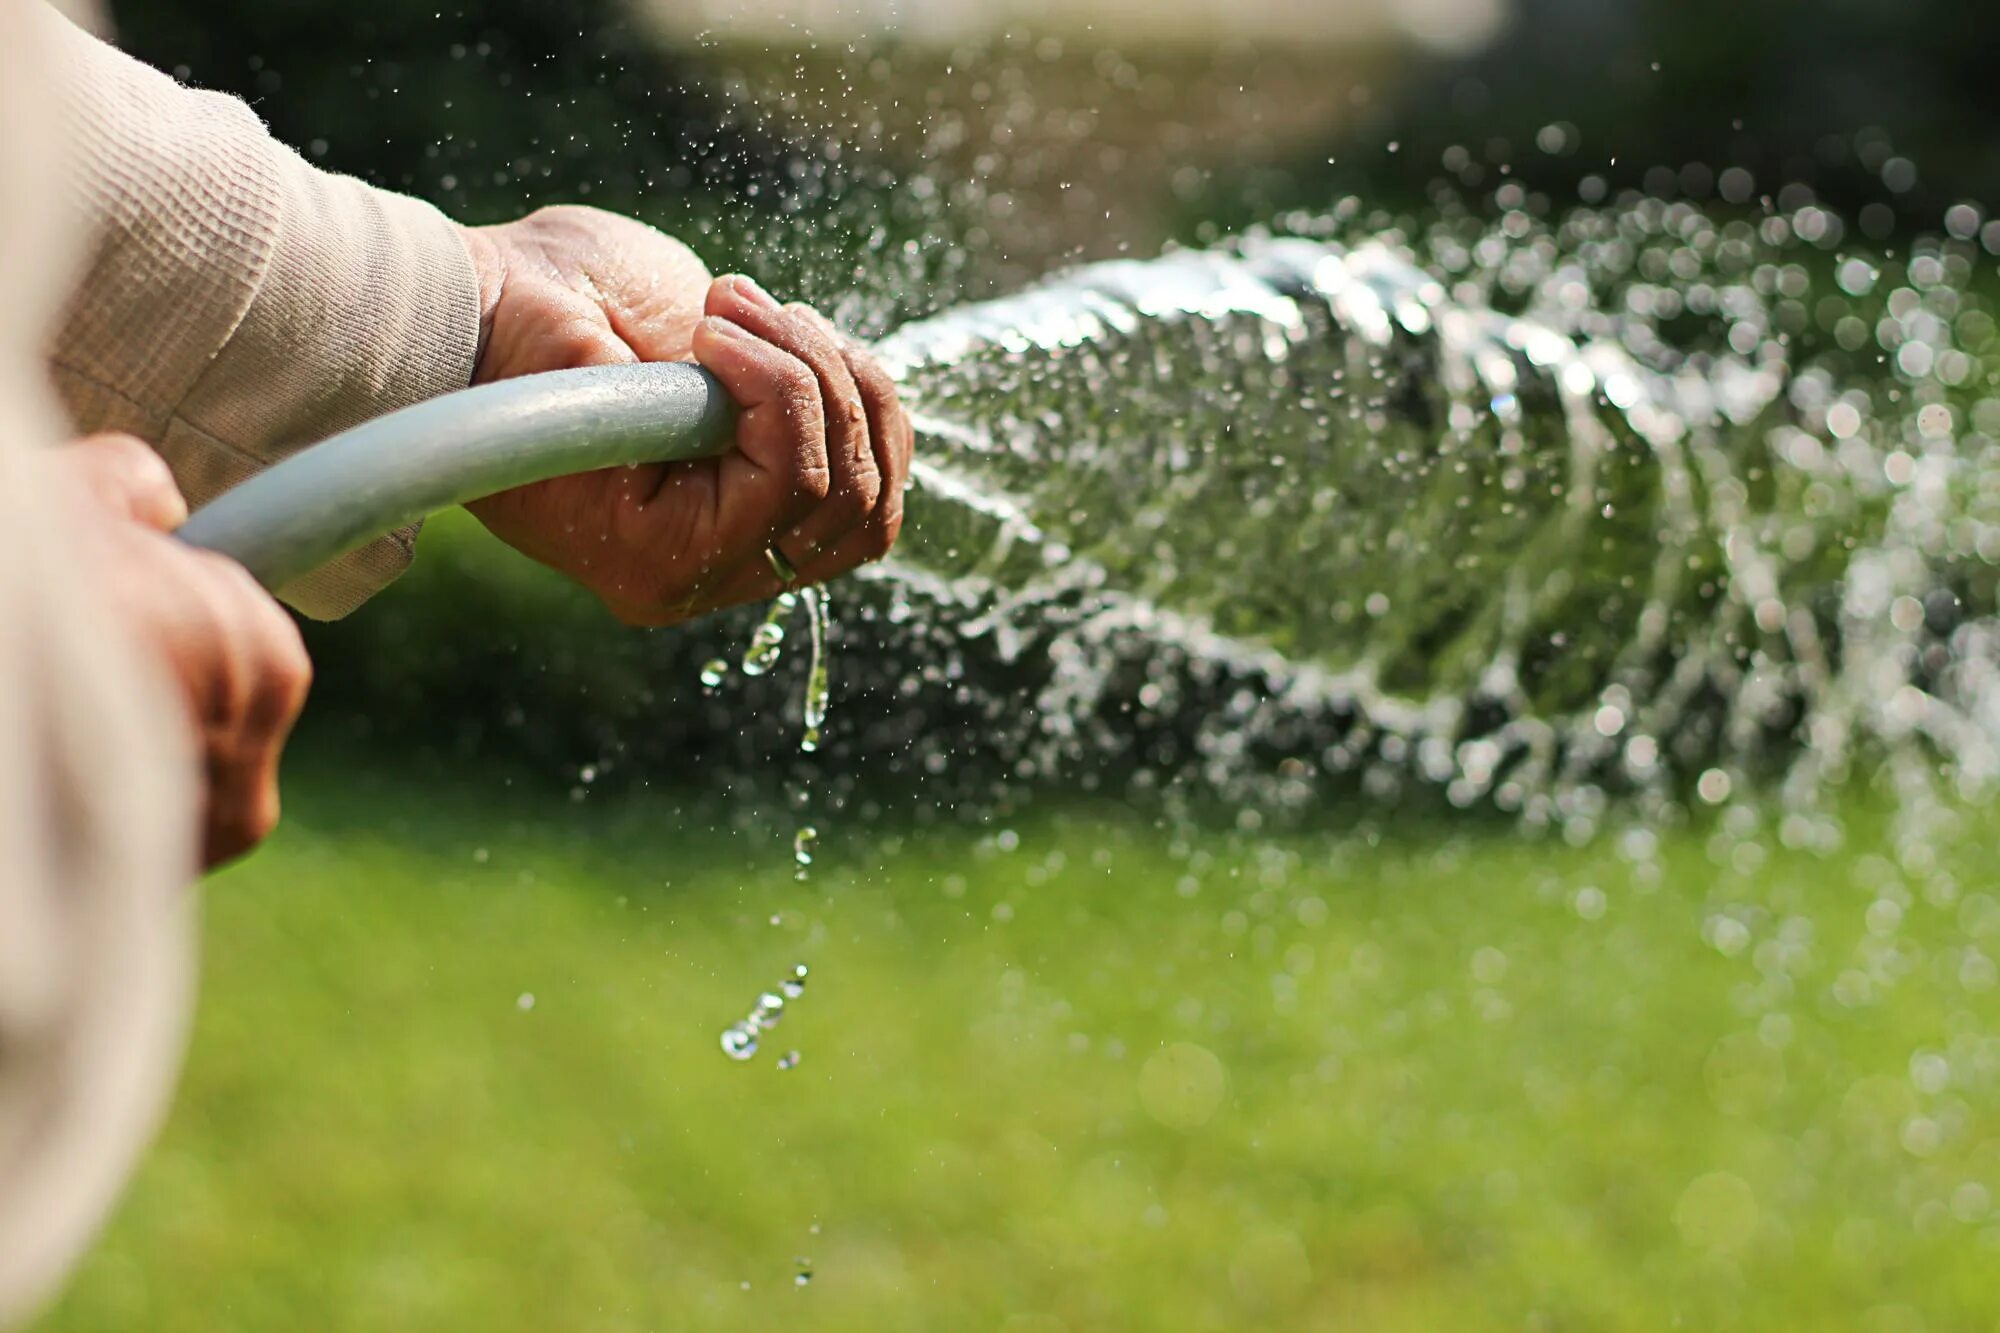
(239, 303)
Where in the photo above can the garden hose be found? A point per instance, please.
(339, 494)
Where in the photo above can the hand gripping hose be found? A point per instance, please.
(324, 501)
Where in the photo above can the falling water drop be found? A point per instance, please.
(766, 642)
(795, 985)
(803, 843)
(739, 1042)
(713, 672)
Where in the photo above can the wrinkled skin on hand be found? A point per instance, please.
(822, 447)
(233, 655)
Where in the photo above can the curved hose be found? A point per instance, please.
(325, 501)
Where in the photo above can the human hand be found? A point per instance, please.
(822, 446)
(233, 654)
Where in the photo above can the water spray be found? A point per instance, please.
(1515, 541)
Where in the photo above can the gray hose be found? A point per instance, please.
(325, 501)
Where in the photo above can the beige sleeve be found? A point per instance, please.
(239, 303)
(97, 784)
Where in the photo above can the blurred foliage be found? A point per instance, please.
(488, 109)
(1665, 95)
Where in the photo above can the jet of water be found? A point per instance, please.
(1523, 507)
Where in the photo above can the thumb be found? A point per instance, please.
(123, 474)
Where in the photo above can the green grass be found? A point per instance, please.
(1094, 1082)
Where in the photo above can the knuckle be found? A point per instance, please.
(811, 480)
(273, 672)
(575, 341)
(149, 469)
(238, 596)
(262, 817)
(798, 390)
(249, 821)
(120, 446)
(244, 807)
(881, 535)
(291, 674)
(573, 213)
(659, 599)
(868, 373)
(855, 498)
(128, 466)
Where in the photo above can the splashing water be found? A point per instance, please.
(1526, 508)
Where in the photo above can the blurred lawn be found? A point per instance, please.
(1424, 1084)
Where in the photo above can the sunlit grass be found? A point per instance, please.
(1443, 1080)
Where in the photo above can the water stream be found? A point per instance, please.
(1531, 506)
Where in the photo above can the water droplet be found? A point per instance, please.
(739, 1042)
(714, 672)
(525, 1001)
(803, 844)
(763, 652)
(789, 1060)
(767, 640)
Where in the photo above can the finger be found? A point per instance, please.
(756, 582)
(859, 480)
(888, 430)
(243, 807)
(126, 476)
(777, 473)
(263, 675)
(855, 481)
(893, 441)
